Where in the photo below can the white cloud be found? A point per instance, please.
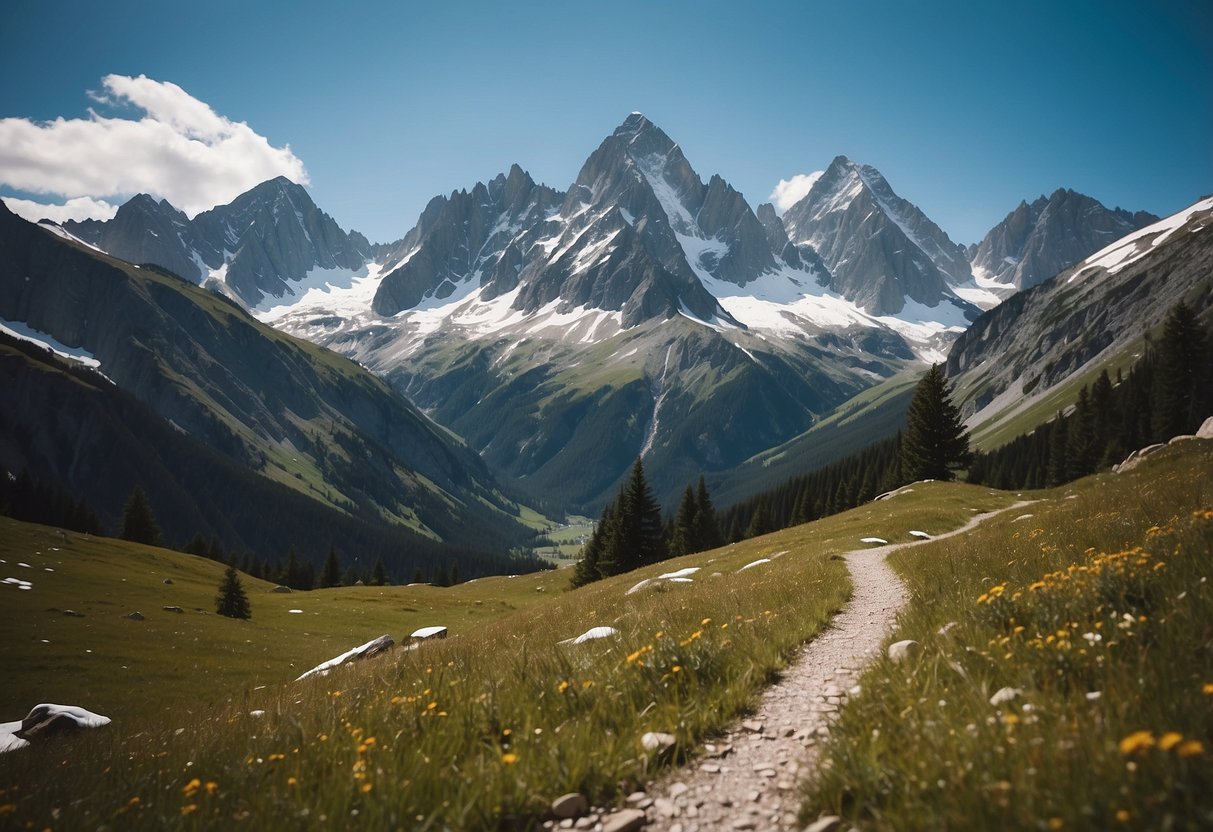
(790, 191)
(179, 149)
(79, 208)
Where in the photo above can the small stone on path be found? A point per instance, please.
(571, 805)
(625, 820)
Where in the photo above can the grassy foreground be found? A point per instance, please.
(1096, 612)
(478, 731)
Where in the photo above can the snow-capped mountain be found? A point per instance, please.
(261, 246)
(1039, 240)
(881, 250)
(642, 310)
(1013, 356)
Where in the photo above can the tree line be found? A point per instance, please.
(1167, 392)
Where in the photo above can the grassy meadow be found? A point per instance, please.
(478, 731)
(1094, 618)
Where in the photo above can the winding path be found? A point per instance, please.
(749, 778)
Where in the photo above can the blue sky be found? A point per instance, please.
(965, 107)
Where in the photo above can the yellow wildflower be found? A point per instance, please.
(1169, 740)
(189, 808)
(509, 758)
(366, 787)
(1136, 741)
(191, 787)
(1123, 815)
(1207, 689)
(1191, 748)
(563, 686)
(1056, 823)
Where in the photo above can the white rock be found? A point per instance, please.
(639, 586)
(1005, 695)
(592, 634)
(436, 631)
(1206, 429)
(825, 823)
(625, 820)
(655, 741)
(46, 719)
(571, 805)
(1093, 696)
(879, 540)
(947, 628)
(681, 573)
(758, 562)
(257, 712)
(365, 651)
(919, 534)
(899, 651)
(681, 581)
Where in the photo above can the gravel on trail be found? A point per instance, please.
(749, 778)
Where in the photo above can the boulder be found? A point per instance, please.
(655, 741)
(1206, 429)
(428, 632)
(172, 609)
(135, 616)
(877, 540)
(48, 720)
(899, 651)
(281, 588)
(592, 634)
(571, 805)
(372, 648)
(168, 581)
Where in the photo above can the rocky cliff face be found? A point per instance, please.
(255, 249)
(1016, 352)
(284, 408)
(880, 249)
(1038, 240)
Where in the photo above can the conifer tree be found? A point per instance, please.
(379, 576)
(707, 529)
(636, 539)
(1180, 376)
(332, 569)
(760, 523)
(683, 539)
(231, 600)
(935, 440)
(196, 545)
(138, 523)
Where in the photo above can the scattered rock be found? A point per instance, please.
(365, 651)
(281, 588)
(753, 726)
(677, 790)
(919, 534)
(47, 720)
(625, 820)
(681, 573)
(758, 562)
(172, 609)
(825, 823)
(1005, 695)
(1135, 458)
(655, 741)
(428, 632)
(256, 713)
(73, 614)
(1023, 517)
(899, 651)
(878, 540)
(639, 586)
(135, 616)
(571, 805)
(1206, 429)
(636, 797)
(947, 628)
(592, 634)
(168, 580)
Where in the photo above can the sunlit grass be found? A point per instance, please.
(1096, 614)
(478, 731)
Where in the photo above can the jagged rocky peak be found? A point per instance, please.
(881, 250)
(1037, 240)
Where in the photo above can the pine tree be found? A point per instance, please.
(1080, 439)
(760, 523)
(935, 440)
(707, 529)
(1181, 376)
(332, 569)
(1057, 451)
(636, 540)
(683, 539)
(231, 600)
(138, 523)
(196, 546)
(379, 576)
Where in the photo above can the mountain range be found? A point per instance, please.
(639, 311)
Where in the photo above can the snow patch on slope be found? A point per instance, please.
(25, 332)
(1133, 247)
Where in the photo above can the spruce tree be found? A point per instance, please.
(1058, 435)
(683, 539)
(1180, 376)
(707, 529)
(760, 522)
(637, 539)
(231, 600)
(935, 440)
(138, 523)
(332, 569)
(379, 576)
